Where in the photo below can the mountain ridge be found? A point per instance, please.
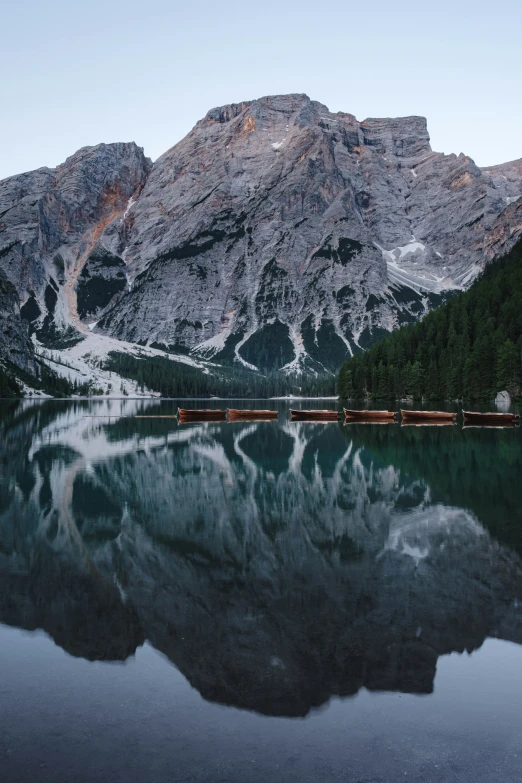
(276, 235)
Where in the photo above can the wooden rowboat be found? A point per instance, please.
(493, 419)
(204, 414)
(353, 415)
(431, 416)
(250, 414)
(314, 415)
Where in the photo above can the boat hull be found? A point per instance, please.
(251, 414)
(202, 415)
(246, 419)
(303, 415)
(428, 416)
(490, 418)
(352, 415)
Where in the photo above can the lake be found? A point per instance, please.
(268, 601)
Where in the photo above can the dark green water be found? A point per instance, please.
(270, 601)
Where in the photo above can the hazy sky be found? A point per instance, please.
(78, 73)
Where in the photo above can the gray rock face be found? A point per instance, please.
(279, 223)
(53, 221)
(507, 179)
(15, 346)
(276, 234)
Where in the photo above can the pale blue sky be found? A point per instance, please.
(78, 73)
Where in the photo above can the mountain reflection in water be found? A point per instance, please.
(276, 564)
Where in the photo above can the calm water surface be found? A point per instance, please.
(269, 601)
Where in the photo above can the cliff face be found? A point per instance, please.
(276, 234)
(15, 346)
(277, 222)
(53, 222)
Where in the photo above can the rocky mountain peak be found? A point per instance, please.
(280, 234)
(275, 235)
(52, 219)
(100, 180)
(404, 137)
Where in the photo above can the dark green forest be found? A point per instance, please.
(9, 386)
(174, 379)
(469, 348)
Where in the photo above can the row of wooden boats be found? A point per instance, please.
(433, 417)
(407, 416)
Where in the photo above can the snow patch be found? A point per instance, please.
(299, 352)
(84, 362)
(214, 344)
(402, 251)
(130, 202)
(399, 263)
(471, 274)
(238, 346)
(340, 334)
(417, 281)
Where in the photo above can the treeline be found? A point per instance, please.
(9, 386)
(58, 386)
(469, 348)
(175, 379)
(46, 380)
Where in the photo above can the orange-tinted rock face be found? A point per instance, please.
(53, 220)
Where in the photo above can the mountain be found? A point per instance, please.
(276, 224)
(470, 347)
(275, 235)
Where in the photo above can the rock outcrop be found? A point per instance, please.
(15, 346)
(276, 234)
(55, 222)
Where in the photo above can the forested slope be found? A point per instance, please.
(469, 348)
(172, 379)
